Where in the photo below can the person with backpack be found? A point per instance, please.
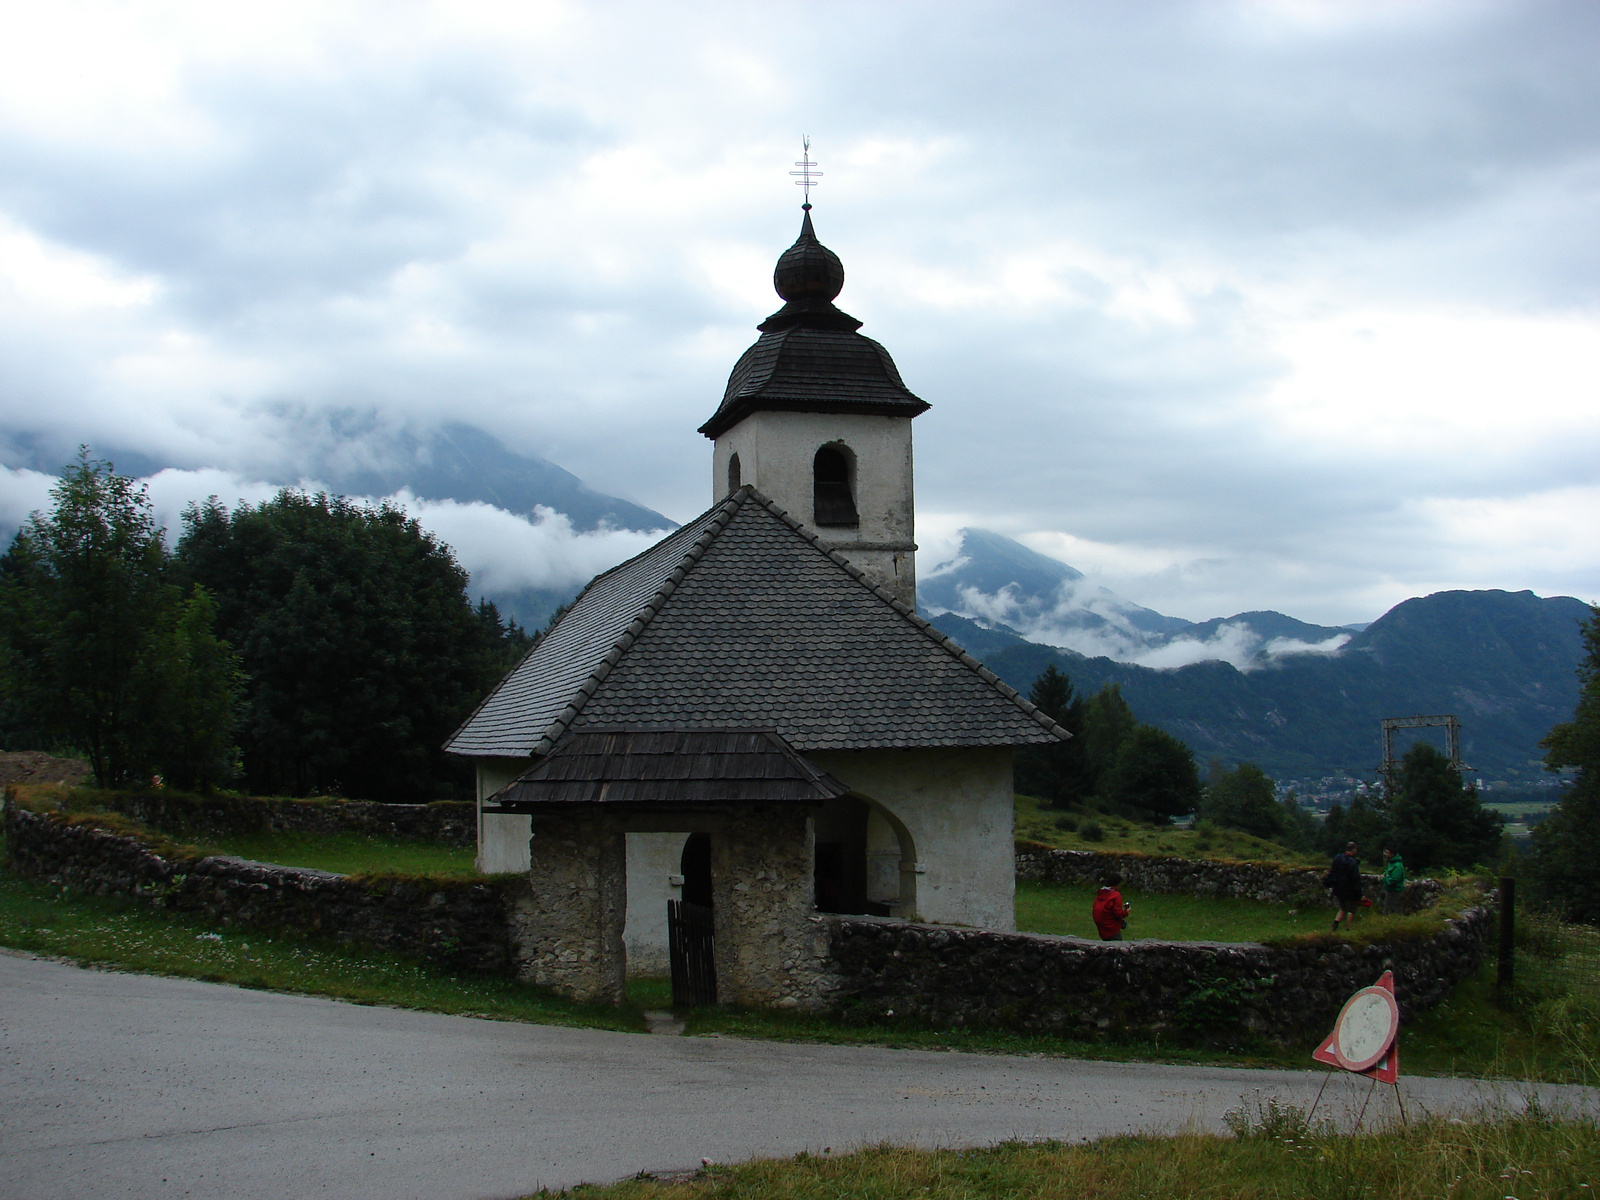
(1344, 880)
(1109, 913)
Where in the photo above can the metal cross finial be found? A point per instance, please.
(808, 171)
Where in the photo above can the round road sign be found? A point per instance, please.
(1366, 1028)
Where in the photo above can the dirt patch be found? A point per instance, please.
(33, 766)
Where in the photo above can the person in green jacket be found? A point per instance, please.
(1394, 881)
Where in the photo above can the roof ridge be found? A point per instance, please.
(586, 690)
(944, 641)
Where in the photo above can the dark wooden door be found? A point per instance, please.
(694, 963)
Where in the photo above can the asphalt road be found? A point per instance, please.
(134, 1086)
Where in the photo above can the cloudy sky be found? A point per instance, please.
(1282, 305)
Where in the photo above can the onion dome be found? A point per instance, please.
(808, 270)
(809, 357)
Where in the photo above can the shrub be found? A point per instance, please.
(1070, 824)
(1092, 832)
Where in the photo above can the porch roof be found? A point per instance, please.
(667, 768)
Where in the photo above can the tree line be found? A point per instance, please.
(304, 645)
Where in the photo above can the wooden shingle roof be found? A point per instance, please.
(671, 767)
(809, 357)
(743, 620)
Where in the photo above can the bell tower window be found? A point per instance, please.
(734, 480)
(833, 499)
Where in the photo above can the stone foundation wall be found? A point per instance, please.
(1269, 882)
(459, 923)
(1033, 983)
(179, 814)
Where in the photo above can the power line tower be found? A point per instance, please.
(1452, 743)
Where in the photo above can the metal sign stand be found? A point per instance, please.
(1365, 1041)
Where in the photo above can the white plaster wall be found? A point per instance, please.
(776, 451)
(502, 840)
(959, 808)
(653, 862)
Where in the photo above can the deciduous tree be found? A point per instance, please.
(1155, 775)
(1438, 820)
(1244, 798)
(1566, 864)
(102, 652)
(362, 648)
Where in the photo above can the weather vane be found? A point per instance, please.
(808, 171)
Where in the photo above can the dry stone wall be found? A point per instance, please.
(179, 814)
(779, 953)
(459, 923)
(1197, 991)
(1273, 883)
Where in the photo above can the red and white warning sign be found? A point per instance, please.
(1363, 1038)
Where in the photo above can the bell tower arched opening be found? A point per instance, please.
(735, 477)
(833, 489)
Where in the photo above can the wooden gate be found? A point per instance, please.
(694, 964)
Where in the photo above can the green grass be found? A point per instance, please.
(110, 933)
(1064, 909)
(1277, 1157)
(1035, 823)
(1546, 1027)
(650, 992)
(347, 853)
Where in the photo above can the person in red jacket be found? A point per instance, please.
(1110, 913)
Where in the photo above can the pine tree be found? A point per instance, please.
(1108, 722)
(1055, 773)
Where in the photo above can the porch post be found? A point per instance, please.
(569, 925)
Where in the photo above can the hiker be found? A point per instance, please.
(1344, 879)
(1394, 881)
(1109, 912)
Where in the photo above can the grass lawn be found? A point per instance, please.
(1510, 1158)
(347, 853)
(1036, 823)
(1058, 908)
(111, 933)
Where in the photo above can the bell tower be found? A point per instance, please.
(816, 417)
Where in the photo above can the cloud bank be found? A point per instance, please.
(504, 552)
(1282, 304)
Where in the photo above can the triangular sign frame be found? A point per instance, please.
(1387, 1068)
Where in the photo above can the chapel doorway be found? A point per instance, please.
(691, 944)
(695, 867)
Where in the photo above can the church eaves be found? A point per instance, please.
(809, 357)
(742, 620)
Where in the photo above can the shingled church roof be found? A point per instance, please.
(809, 357)
(743, 620)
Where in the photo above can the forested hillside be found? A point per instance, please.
(1503, 662)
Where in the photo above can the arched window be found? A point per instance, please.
(831, 498)
(734, 481)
